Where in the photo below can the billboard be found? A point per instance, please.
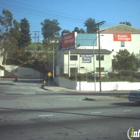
(122, 37)
(87, 39)
(68, 41)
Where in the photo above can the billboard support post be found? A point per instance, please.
(69, 63)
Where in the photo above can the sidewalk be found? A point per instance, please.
(92, 95)
(62, 89)
(52, 86)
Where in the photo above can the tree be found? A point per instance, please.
(126, 23)
(82, 31)
(76, 29)
(137, 60)
(9, 33)
(65, 31)
(50, 29)
(25, 36)
(123, 60)
(5, 25)
(31, 59)
(90, 24)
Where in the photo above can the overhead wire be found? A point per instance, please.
(41, 13)
(24, 8)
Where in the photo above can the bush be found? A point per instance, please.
(112, 74)
(128, 78)
(136, 75)
(64, 75)
(90, 78)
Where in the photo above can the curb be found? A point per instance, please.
(87, 92)
(42, 87)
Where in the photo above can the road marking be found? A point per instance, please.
(50, 115)
(127, 110)
(96, 112)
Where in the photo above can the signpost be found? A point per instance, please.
(86, 58)
(49, 74)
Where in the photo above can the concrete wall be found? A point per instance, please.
(1, 72)
(91, 86)
(66, 83)
(105, 86)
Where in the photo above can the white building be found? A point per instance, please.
(83, 61)
(120, 37)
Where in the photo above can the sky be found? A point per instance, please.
(73, 13)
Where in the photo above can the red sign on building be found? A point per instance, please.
(122, 37)
(68, 40)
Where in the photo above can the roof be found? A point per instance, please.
(87, 51)
(121, 28)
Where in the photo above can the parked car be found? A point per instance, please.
(10, 76)
(134, 95)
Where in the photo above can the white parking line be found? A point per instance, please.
(96, 112)
(50, 115)
(127, 110)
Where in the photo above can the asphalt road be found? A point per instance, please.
(28, 112)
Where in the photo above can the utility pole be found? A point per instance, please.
(98, 27)
(53, 61)
(36, 37)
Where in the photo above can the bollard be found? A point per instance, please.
(44, 82)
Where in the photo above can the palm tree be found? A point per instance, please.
(91, 25)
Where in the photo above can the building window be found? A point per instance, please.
(122, 44)
(73, 57)
(101, 57)
(73, 70)
(102, 69)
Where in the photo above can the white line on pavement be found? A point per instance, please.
(96, 112)
(50, 115)
(127, 110)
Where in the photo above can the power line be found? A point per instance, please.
(43, 13)
(36, 36)
(24, 9)
(39, 12)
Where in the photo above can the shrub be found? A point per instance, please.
(90, 78)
